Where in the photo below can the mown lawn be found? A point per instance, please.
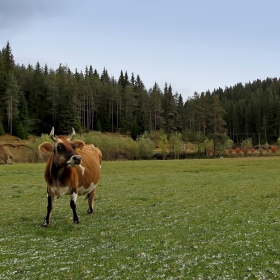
(179, 219)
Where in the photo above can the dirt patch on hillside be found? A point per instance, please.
(13, 149)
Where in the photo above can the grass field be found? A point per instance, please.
(179, 219)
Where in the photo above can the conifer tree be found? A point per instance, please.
(155, 108)
(201, 109)
(3, 84)
(8, 58)
(141, 107)
(217, 123)
(11, 100)
(132, 79)
(67, 116)
(121, 80)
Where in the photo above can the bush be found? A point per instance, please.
(163, 145)
(244, 150)
(113, 147)
(132, 149)
(247, 143)
(209, 146)
(228, 144)
(176, 144)
(237, 151)
(146, 147)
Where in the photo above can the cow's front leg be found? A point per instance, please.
(73, 203)
(49, 209)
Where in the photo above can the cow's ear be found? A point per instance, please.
(79, 144)
(46, 148)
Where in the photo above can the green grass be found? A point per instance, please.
(179, 219)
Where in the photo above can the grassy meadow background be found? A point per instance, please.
(177, 219)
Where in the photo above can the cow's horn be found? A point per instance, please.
(72, 134)
(52, 134)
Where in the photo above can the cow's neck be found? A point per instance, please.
(56, 171)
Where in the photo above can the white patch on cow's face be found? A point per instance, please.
(83, 169)
(74, 161)
(83, 190)
(74, 197)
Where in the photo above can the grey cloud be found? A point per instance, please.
(19, 13)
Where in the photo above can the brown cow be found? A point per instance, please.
(72, 168)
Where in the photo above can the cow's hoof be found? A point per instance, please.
(76, 222)
(90, 210)
(45, 224)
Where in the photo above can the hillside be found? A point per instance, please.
(11, 147)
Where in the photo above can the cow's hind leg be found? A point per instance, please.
(90, 198)
(73, 203)
(49, 210)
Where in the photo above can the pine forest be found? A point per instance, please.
(36, 98)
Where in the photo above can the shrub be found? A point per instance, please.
(146, 147)
(247, 143)
(163, 145)
(237, 151)
(209, 146)
(228, 143)
(128, 148)
(244, 150)
(273, 149)
(176, 144)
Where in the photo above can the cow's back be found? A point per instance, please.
(89, 171)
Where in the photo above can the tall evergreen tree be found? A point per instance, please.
(8, 58)
(67, 117)
(141, 110)
(217, 122)
(3, 85)
(201, 111)
(155, 110)
(11, 100)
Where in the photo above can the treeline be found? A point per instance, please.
(252, 111)
(33, 99)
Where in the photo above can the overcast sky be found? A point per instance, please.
(192, 45)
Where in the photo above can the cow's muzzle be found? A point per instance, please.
(74, 160)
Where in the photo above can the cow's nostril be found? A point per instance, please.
(76, 158)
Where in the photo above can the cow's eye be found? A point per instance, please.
(60, 147)
(74, 147)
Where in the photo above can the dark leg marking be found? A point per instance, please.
(73, 207)
(46, 222)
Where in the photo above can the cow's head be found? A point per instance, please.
(64, 151)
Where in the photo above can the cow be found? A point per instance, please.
(72, 168)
